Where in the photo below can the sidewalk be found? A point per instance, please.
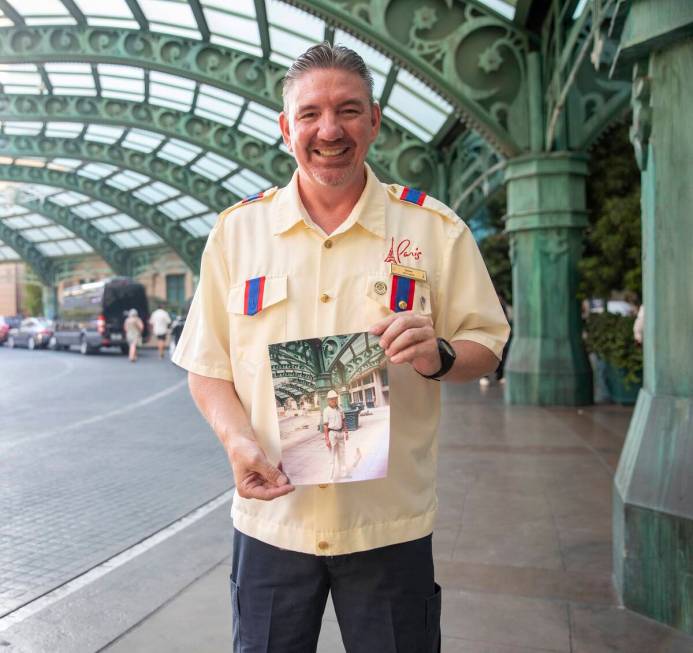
(522, 549)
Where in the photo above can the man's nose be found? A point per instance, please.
(330, 127)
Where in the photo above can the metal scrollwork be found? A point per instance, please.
(28, 252)
(148, 216)
(236, 72)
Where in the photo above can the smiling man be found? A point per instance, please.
(336, 251)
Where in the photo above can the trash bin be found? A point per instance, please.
(351, 415)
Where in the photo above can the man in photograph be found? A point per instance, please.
(315, 258)
(336, 435)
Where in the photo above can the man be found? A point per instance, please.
(336, 434)
(160, 321)
(333, 252)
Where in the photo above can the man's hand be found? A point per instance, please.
(408, 337)
(327, 442)
(256, 477)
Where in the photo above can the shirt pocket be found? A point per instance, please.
(250, 334)
(379, 292)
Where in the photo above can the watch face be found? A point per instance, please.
(447, 347)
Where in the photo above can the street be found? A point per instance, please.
(96, 454)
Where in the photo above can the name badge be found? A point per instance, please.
(409, 273)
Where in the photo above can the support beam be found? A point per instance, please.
(187, 246)
(29, 253)
(100, 242)
(547, 364)
(396, 156)
(653, 492)
(195, 185)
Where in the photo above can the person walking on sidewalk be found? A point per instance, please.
(160, 321)
(324, 260)
(336, 435)
(133, 332)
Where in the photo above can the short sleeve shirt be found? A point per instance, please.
(160, 320)
(333, 418)
(315, 285)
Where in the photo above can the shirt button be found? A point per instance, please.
(402, 305)
(324, 298)
(322, 545)
(328, 244)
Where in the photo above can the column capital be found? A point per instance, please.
(546, 191)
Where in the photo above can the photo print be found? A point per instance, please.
(333, 408)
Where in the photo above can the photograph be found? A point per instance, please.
(333, 408)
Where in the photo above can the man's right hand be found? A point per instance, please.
(256, 477)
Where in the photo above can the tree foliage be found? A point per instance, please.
(495, 248)
(612, 257)
(33, 299)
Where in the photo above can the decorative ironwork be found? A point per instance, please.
(248, 151)
(185, 180)
(642, 113)
(580, 99)
(188, 247)
(401, 154)
(476, 173)
(29, 253)
(99, 241)
(470, 55)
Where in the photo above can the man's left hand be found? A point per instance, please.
(408, 337)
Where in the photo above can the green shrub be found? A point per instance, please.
(610, 337)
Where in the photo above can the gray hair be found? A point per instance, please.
(326, 55)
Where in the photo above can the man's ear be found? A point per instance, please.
(285, 129)
(376, 118)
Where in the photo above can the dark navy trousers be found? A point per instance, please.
(386, 599)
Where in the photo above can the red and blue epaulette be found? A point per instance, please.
(412, 195)
(253, 198)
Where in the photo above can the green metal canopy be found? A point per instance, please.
(145, 118)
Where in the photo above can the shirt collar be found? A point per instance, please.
(369, 210)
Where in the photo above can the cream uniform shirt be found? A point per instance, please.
(317, 285)
(333, 418)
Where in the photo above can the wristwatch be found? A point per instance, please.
(447, 360)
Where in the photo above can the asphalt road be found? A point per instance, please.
(96, 454)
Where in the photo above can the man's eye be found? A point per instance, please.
(304, 116)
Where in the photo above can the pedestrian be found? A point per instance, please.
(160, 321)
(336, 251)
(336, 435)
(133, 332)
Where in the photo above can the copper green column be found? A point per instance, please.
(653, 493)
(547, 364)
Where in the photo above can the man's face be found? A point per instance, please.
(332, 403)
(329, 125)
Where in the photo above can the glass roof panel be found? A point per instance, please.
(68, 198)
(50, 249)
(302, 23)
(246, 183)
(177, 12)
(93, 210)
(21, 78)
(261, 122)
(63, 129)
(39, 7)
(32, 128)
(144, 141)
(155, 192)
(179, 151)
(230, 25)
(103, 134)
(67, 164)
(7, 253)
(213, 166)
(112, 8)
(26, 221)
(503, 7)
(218, 105)
(75, 246)
(127, 179)
(183, 207)
(97, 170)
(201, 225)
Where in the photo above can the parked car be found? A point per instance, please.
(8, 322)
(33, 333)
(91, 315)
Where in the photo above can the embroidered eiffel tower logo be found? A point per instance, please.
(391, 254)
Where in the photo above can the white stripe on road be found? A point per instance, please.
(111, 564)
(97, 418)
